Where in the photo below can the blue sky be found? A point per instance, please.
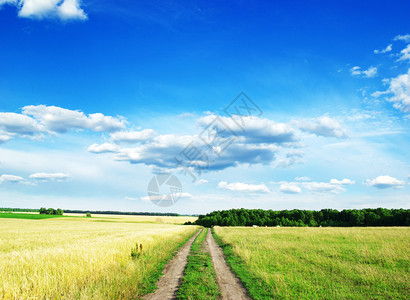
(98, 97)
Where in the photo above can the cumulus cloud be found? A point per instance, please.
(12, 124)
(40, 9)
(289, 188)
(369, 73)
(37, 121)
(385, 50)
(133, 136)
(174, 151)
(384, 182)
(103, 148)
(323, 126)
(243, 187)
(254, 130)
(399, 89)
(61, 120)
(10, 178)
(50, 176)
(405, 38)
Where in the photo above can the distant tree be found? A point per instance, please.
(43, 211)
(88, 215)
(59, 212)
(50, 211)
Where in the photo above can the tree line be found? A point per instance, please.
(51, 211)
(297, 217)
(102, 212)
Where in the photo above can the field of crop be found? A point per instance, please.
(85, 257)
(320, 263)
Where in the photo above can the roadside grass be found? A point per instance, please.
(73, 258)
(199, 281)
(319, 263)
(36, 216)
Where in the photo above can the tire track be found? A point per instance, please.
(173, 271)
(230, 286)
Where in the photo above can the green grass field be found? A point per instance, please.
(199, 281)
(320, 263)
(31, 216)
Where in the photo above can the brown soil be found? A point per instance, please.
(230, 286)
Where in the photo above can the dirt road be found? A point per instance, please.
(173, 271)
(229, 284)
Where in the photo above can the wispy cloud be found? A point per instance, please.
(369, 73)
(49, 176)
(385, 50)
(10, 178)
(405, 38)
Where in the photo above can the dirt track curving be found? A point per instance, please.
(173, 271)
(229, 284)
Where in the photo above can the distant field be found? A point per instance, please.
(79, 258)
(33, 216)
(104, 218)
(320, 263)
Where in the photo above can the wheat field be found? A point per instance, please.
(83, 258)
(320, 263)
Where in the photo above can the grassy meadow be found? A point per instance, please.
(320, 263)
(85, 258)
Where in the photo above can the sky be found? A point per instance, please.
(270, 104)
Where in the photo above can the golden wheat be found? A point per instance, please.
(81, 258)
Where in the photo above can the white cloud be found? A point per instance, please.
(303, 178)
(70, 9)
(61, 120)
(201, 182)
(36, 121)
(255, 130)
(384, 182)
(39, 9)
(289, 188)
(323, 126)
(132, 136)
(243, 187)
(49, 176)
(405, 53)
(399, 88)
(103, 148)
(369, 73)
(10, 178)
(164, 152)
(12, 123)
(344, 181)
(385, 50)
(405, 38)
(323, 187)
(292, 158)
